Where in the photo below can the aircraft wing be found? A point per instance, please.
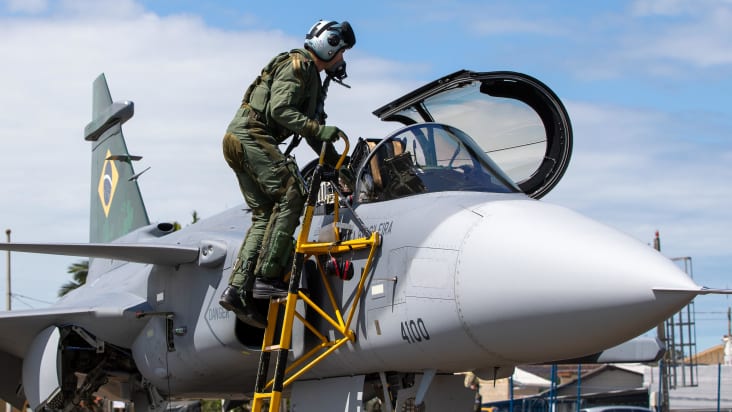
(131, 252)
(113, 323)
(25, 325)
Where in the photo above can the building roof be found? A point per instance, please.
(632, 373)
(709, 356)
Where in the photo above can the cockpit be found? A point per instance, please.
(512, 116)
(423, 158)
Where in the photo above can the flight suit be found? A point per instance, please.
(286, 99)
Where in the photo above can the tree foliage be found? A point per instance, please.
(78, 272)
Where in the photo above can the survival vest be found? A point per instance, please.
(257, 95)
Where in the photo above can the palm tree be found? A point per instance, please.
(79, 271)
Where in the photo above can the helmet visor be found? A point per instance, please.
(347, 34)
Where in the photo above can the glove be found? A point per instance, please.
(329, 133)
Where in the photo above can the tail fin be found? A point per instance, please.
(116, 203)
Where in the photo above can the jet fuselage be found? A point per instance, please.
(462, 281)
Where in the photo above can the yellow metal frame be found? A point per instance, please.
(326, 347)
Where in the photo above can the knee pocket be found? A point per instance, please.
(233, 152)
(276, 255)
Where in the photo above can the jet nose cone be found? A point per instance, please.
(564, 284)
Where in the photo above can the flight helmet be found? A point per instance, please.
(326, 38)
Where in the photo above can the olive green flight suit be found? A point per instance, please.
(285, 99)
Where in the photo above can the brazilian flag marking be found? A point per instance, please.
(107, 183)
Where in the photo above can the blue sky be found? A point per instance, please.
(646, 84)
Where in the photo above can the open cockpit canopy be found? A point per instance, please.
(515, 119)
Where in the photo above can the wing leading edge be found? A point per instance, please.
(131, 252)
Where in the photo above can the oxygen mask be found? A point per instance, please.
(337, 73)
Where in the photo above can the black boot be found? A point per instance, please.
(243, 306)
(269, 288)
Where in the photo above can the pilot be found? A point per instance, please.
(286, 99)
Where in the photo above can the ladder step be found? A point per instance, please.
(273, 347)
(263, 394)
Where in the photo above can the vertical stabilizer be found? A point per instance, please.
(116, 203)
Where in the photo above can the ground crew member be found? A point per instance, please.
(287, 98)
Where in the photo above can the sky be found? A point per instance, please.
(647, 85)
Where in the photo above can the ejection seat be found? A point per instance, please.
(390, 172)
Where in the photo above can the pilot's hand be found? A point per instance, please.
(329, 133)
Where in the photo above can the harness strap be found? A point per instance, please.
(296, 138)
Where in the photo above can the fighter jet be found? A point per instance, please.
(468, 271)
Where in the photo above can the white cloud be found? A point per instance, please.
(26, 6)
(663, 7)
(641, 171)
(674, 7)
(695, 33)
(649, 39)
(93, 9)
(493, 26)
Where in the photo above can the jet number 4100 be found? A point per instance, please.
(414, 331)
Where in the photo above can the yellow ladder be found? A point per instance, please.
(271, 391)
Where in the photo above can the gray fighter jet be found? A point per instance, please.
(471, 272)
